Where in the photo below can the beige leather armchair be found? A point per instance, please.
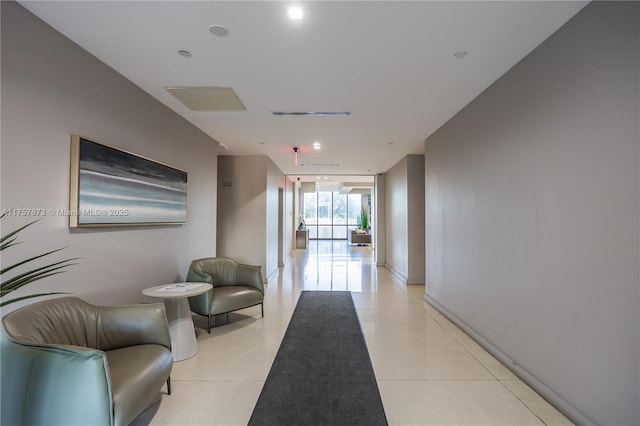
(235, 286)
(359, 237)
(67, 362)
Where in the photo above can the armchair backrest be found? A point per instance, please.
(63, 321)
(221, 270)
(72, 321)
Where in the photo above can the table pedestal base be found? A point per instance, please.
(181, 330)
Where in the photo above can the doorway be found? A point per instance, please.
(330, 215)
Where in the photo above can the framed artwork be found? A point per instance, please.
(112, 187)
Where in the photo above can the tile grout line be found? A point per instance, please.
(486, 368)
(522, 402)
(496, 378)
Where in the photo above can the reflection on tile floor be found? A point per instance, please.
(429, 372)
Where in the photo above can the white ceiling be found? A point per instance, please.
(390, 63)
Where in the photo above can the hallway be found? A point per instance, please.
(428, 371)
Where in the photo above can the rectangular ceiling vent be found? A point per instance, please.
(313, 113)
(207, 98)
(320, 165)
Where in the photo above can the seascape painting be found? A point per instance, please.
(115, 187)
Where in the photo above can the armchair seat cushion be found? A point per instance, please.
(137, 372)
(233, 297)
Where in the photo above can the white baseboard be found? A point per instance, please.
(396, 274)
(404, 280)
(547, 393)
(273, 274)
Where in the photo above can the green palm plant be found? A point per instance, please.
(363, 218)
(10, 285)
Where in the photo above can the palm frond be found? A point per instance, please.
(31, 259)
(14, 283)
(11, 234)
(17, 299)
(8, 244)
(21, 280)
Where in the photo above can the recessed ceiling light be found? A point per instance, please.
(316, 145)
(184, 53)
(219, 30)
(295, 13)
(460, 54)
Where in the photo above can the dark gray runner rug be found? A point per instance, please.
(322, 374)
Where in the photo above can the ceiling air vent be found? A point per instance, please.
(313, 113)
(320, 165)
(207, 98)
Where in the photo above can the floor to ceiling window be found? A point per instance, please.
(329, 215)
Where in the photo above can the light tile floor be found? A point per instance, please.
(429, 372)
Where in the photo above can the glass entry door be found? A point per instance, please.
(328, 215)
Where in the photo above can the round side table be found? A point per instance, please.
(181, 330)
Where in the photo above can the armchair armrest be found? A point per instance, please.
(250, 275)
(54, 384)
(200, 304)
(121, 326)
(199, 277)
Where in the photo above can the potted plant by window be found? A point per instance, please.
(363, 219)
(20, 279)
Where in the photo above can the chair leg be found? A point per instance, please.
(209, 324)
(262, 309)
(169, 385)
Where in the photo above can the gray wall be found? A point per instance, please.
(289, 216)
(380, 223)
(415, 219)
(396, 214)
(405, 222)
(533, 216)
(285, 215)
(297, 210)
(275, 180)
(51, 88)
(248, 210)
